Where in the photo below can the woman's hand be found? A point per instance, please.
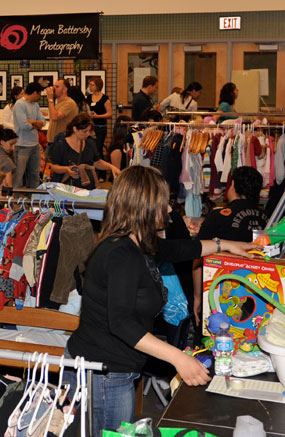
(94, 115)
(73, 174)
(236, 247)
(240, 248)
(191, 370)
(115, 171)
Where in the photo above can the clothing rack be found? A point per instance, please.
(50, 359)
(50, 203)
(53, 203)
(236, 114)
(202, 125)
(62, 362)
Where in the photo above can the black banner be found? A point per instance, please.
(49, 36)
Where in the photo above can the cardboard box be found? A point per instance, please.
(244, 307)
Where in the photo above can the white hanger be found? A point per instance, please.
(28, 391)
(76, 397)
(57, 395)
(35, 422)
(28, 373)
(32, 392)
(83, 395)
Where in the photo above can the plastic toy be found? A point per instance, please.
(204, 359)
(216, 317)
(275, 234)
(215, 320)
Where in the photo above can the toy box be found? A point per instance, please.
(245, 308)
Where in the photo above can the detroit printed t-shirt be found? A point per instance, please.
(234, 222)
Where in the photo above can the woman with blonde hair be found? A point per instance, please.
(123, 293)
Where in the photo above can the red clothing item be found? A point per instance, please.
(16, 242)
(272, 168)
(255, 150)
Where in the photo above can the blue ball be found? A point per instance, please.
(215, 320)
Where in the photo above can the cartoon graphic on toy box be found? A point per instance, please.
(245, 308)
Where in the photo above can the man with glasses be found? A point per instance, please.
(28, 120)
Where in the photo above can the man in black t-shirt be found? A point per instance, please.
(234, 222)
(142, 100)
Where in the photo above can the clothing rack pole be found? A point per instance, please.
(7, 191)
(238, 114)
(66, 362)
(50, 359)
(61, 203)
(199, 125)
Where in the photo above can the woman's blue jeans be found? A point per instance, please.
(113, 398)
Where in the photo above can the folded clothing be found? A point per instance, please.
(252, 363)
(275, 331)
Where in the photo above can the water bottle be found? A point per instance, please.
(224, 351)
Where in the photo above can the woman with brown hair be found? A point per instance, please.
(17, 93)
(123, 293)
(74, 149)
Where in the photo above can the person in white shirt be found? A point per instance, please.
(186, 101)
(17, 93)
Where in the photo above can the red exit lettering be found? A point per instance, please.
(229, 23)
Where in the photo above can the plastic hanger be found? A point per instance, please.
(32, 392)
(83, 396)
(35, 422)
(23, 204)
(28, 391)
(57, 394)
(29, 372)
(76, 397)
(63, 208)
(40, 209)
(9, 203)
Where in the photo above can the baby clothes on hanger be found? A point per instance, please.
(76, 239)
(279, 160)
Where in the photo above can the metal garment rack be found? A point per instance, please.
(236, 114)
(29, 357)
(203, 125)
(277, 213)
(59, 361)
(50, 203)
(50, 359)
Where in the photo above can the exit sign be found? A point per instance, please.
(229, 23)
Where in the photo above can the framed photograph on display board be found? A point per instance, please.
(86, 75)
(71, 78)
(17, 80)
(44, 78)
(3, 86)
